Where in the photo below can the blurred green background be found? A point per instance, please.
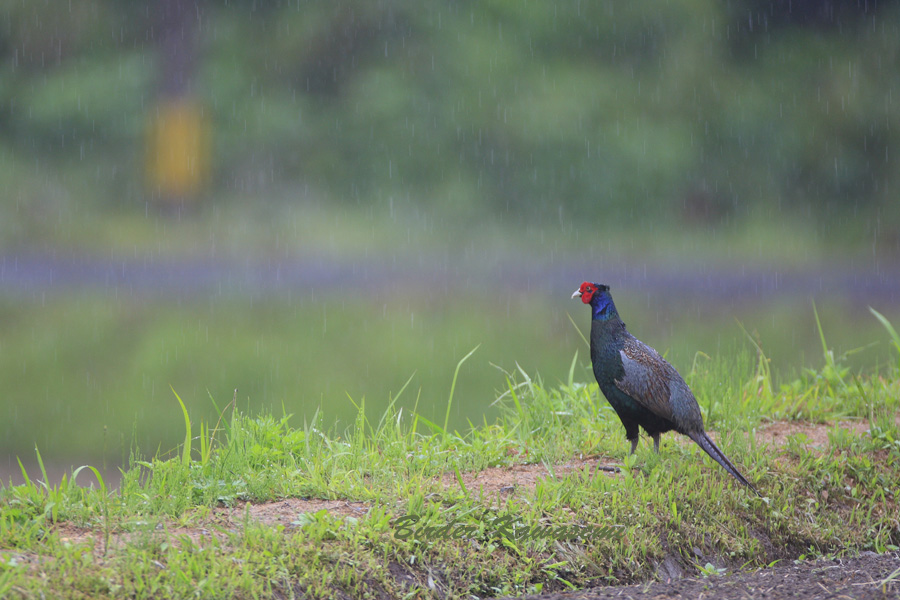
(368, 190)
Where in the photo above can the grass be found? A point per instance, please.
(162, 533)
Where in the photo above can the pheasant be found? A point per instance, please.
(644, 389)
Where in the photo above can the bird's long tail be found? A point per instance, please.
(717, 455)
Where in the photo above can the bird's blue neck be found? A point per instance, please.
(602, 307)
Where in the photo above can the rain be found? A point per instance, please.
(292, 206)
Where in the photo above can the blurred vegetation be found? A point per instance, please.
(629, 115)
(450, 133)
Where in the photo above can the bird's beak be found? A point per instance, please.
(577, 294)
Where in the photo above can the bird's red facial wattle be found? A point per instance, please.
(586, 291)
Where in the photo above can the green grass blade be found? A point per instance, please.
(361, 419)
(24, 472)
(186, 451)
(459, 480)
(453, 385)
(763, 370)
(821, 333)
(214, 403)
(895, 338)
(578, 329)
(515, 397)
(433, 426)
(41, 466)
(571, 379)
(205, 446)
(415, 412)
(96, 473)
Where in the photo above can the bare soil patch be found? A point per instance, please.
(285, 512)
(502, 481)
(777, 433)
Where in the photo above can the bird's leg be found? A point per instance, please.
(656, 442)
(634, 442)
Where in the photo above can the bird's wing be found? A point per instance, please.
(646, 378)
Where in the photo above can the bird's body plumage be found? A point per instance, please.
(642, 387)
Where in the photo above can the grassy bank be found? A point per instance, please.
(186, 525)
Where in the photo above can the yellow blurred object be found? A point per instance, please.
(177, 157)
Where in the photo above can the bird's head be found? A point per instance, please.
(588, 290)
(597, 295)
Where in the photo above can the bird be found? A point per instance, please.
(642, 387)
